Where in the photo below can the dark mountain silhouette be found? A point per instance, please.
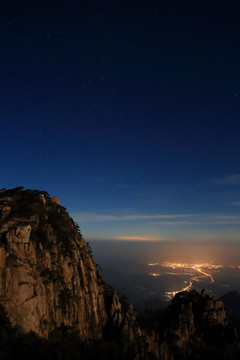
(232, 306)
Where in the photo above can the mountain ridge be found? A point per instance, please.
(49, 283)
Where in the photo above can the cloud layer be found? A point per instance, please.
(171, 219)
(233, 179)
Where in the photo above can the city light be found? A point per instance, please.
(196, 272)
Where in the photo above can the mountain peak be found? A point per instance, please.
(49, 281)
(47, 272)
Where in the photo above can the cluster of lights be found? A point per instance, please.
(195, 267)
(154, 274)
(190, 266)
(195, 271)
(153, 264)
(171, 294)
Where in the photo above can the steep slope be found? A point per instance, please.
(49, 284)
(49, 281)
(47, 273)
(194, 326)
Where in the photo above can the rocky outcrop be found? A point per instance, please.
(195, 325)
(49, 281)
(123, 325)
(47, 273)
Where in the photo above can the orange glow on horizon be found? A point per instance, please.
(137, 238)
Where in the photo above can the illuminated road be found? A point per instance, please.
(202, 272)
(195, 267)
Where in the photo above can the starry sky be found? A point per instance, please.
(128, 111)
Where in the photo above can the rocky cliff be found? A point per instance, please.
(49, 281)
(194, 326)
(47, 273)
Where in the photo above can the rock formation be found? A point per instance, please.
(194, 326)
(49, 281)
(47, 273)
(48, 278)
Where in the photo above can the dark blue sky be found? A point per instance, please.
(128, 111)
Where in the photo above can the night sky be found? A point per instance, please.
(128, 111)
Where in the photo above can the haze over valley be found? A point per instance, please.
(151, 273)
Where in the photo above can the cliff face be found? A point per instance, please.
(48, 280)
(47, 274)
(124, 327)
(194, 326)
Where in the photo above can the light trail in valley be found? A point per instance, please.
(196, 267)
(173, 293)
(204, 273)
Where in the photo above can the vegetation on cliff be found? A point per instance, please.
(55, 305)
(49, 281)
(62, 344)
